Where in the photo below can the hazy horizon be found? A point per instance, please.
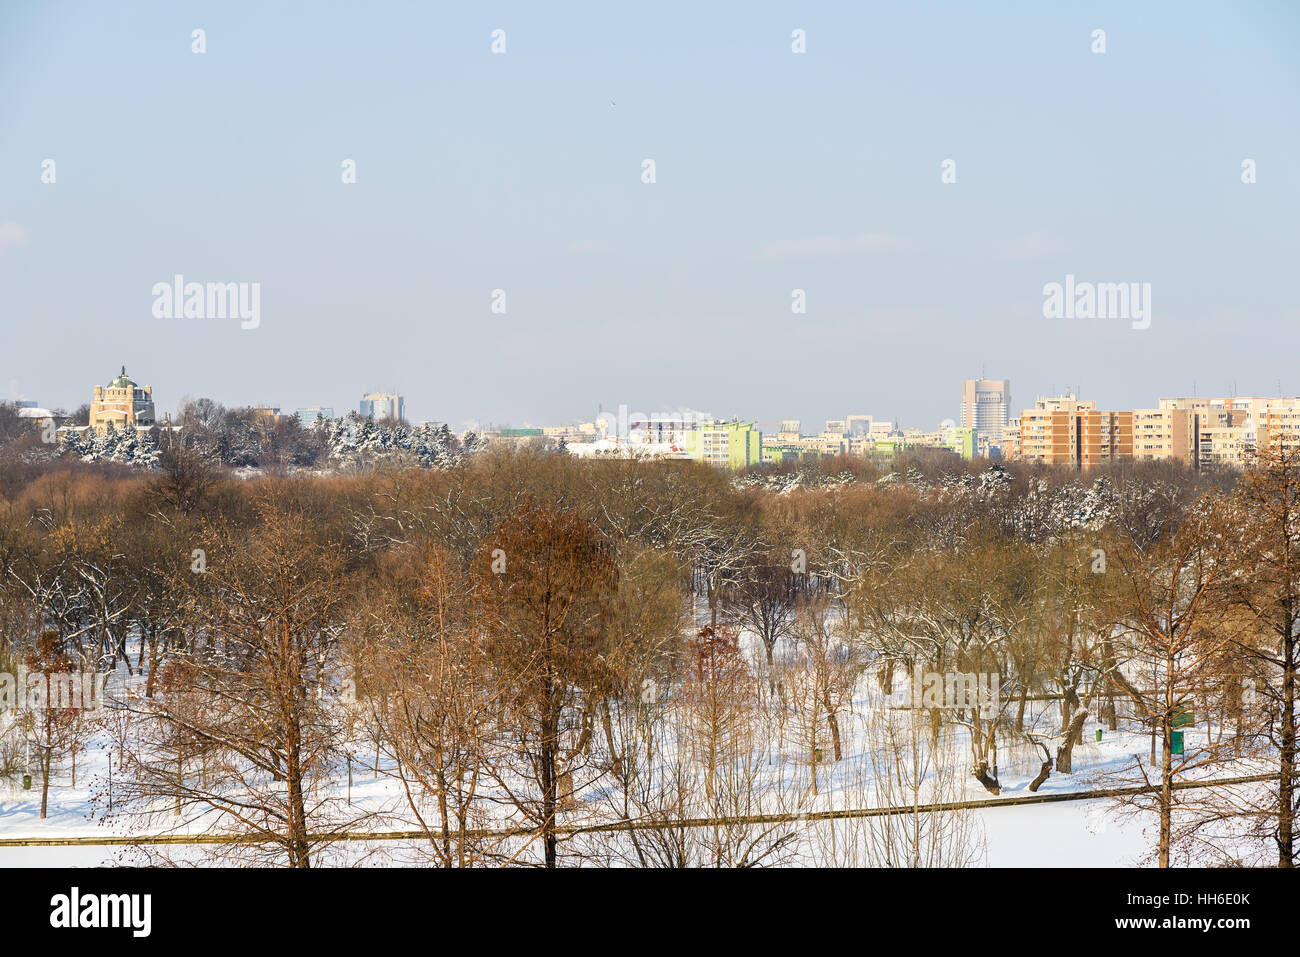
(775, 171)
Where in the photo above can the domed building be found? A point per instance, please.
(121, 403)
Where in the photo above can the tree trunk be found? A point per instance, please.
(1166, 794)
(1287, 763)
(1073, 734)
(833, 722)
(549, 761)
(989, 782)
(47, 759)
(1043, 774)
(616, 760)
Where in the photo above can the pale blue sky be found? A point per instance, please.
(775, 171)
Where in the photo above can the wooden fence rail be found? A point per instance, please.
(570, 830)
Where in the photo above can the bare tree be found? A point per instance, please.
(253, 704)
(545, 579)
(1173, 630)
(426, 690)
(1263, 514)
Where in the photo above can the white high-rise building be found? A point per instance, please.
(985, 405)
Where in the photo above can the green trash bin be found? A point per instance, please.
(1099, 734)
(27, 782)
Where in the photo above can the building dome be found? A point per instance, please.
(123, 381)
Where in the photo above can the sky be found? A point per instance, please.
(774, 171)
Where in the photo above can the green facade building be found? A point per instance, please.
(960, 440)
(729, 445)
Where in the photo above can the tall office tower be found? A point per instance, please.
(383, 405)
(984, 407)
(307, 417)
(857, 424)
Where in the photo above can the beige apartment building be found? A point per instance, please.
(1064, 430)
(1279, 426)
(1103, 437)
(835, 439)
(790, 430)
(920, 438)
(1198, 432)
(856, 434)
(1044, 436)
(1011, 439)
(1250, 405)
(580, 432)
(1167, 433)
(1225, 445)
(1228, 430)
(1045, 433)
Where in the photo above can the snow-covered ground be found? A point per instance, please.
(1075, 833)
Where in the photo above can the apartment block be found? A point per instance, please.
(1011, 448)
(1279, 425)
(1046, 436)
(728, 445)
(1225, 445)
(1103, 437)
(961, 440)
(1064, 430)
(1228, 430)
(1168, 433)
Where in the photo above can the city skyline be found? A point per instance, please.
(357, 403)
(351, 402)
